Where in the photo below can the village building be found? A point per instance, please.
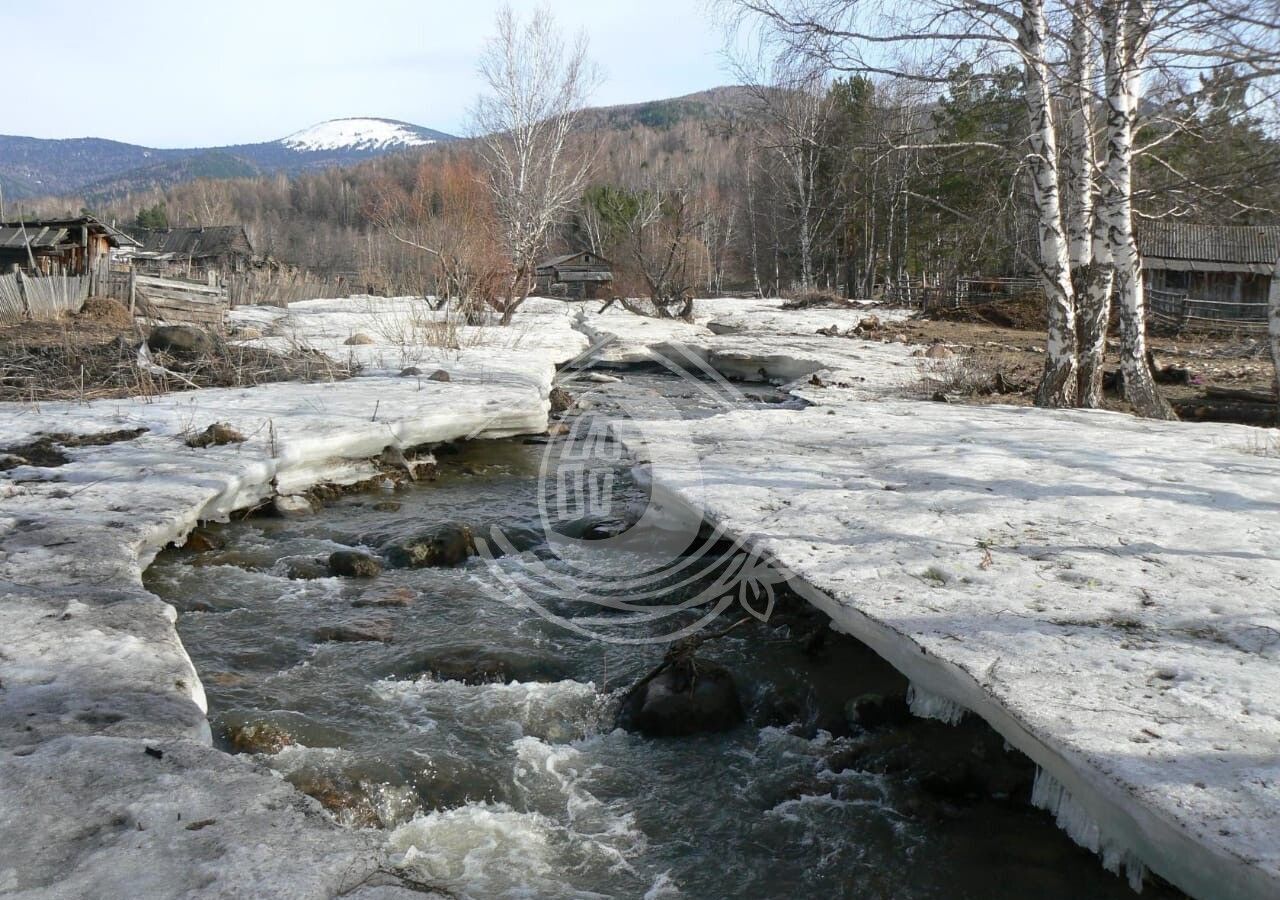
(78, 246)
(1214, 274)
(208, 253)
(579, 276)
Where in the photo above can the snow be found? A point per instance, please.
(1099, 588)
(91, 668)
(355, 134)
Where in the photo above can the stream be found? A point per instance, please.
(479, 735)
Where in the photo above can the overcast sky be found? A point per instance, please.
(178, 74)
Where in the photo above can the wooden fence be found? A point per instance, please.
(40, 299)
(1180, 312)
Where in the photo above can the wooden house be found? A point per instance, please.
(580, 276)
(207, 254)
(77, 247)
(1210, 273)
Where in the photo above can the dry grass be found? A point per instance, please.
(974, 375)
(816, 298)
(91, 358)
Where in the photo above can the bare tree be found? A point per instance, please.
(537, 86)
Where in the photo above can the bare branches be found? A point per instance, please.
(537, 86)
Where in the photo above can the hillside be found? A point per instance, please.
(99, 169)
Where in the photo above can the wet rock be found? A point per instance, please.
(180, 339)
(258, 737)
(216, 435)
(346, 801)
(386, 598)
(689, 696)
(305, 569)
(295, 506)
(410, 372)
(876, 710)
(358, 339)
(361, 632)
(354, 564)
(202, 540)
(387, 506)
(444, 545)
(561, 401)
(439, 375)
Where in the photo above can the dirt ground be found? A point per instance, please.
(1203, 375)
(93, 355)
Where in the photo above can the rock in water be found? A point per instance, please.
(561, 401)
(354, 564)
(444, 545)
(689, 696)
(295, 506)
(180, 339)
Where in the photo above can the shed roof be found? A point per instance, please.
(211, 240)
(1209, 248)
(587, 258)
(47, 234)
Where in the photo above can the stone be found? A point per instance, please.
(358, 339)
(247, 333)
(180, 339)
(689, 696)
(394, 598)
(361, 632)
(202, 540)
(354, 564)
(439, 375)
(561, 401)
(876, 710)
(444, 545)
(387, 506)
(305, 569)
(410, 372)
(938, 351)
(295, 506)
(258, 737)
(216, 435)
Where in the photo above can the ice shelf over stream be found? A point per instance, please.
(107, 784)
(1101, 589)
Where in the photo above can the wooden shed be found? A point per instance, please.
(79, 246)
(207, 254)
(581, 276)
(1210, 273)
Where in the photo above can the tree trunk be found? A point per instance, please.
(1123, 25)
(1058, 385)
(1275, 337)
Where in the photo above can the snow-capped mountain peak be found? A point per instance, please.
(358, 134)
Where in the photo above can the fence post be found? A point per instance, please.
(133, 291)
(22, 294)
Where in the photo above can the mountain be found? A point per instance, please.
(98, 169)
(719, 104)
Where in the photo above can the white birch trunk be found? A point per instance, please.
(1275, 337)
(1123, 27)
(1092, 268)
(1058, 385)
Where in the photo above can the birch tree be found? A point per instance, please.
(538, 84)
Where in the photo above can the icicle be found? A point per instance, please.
(927, 705)
(1049, 794)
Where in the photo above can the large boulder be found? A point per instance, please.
(687, 696)
(444, 545)
(180, 339)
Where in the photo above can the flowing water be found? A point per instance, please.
(480, 735)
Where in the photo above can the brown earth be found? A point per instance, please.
(93, 355)
(1211, 376)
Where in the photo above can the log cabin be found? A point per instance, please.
(1210, 273)
(580, 276)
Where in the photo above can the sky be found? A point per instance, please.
(178, 74)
